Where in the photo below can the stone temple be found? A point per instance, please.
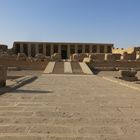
(64, 49)
(69, 91)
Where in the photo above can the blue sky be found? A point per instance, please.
(110, 21)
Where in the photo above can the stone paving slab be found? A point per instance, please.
(70, 107)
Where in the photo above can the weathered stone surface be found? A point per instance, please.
(82, 56)
(129, 75)
(110, 57)
(87, 60)
(3, 76)
(3, 48)
(56, 57)
(75, 57)
(125, 56)
(138, 55)
(39, 57)
(21, 138)
(97, 56)
(21, 57)
(92, 109)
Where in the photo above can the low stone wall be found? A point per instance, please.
(126, 57)
(3, 76)
(97, 56)
(35, 65)
(115, 64)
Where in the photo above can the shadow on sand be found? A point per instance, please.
(32, 91)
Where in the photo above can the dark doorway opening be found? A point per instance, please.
(64, 54)
(79, 51)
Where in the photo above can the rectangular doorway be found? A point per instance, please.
(64, 54)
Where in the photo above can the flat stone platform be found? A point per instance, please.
(70, 107)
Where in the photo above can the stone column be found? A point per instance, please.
(59, 49)
(29, 50)
(90, 48)
(44, 49)
(52, 50)
(83, 48)
(76, 48)
(36, 49)
(68, 51)
(105, 49)
(21, 48)
(98, 48)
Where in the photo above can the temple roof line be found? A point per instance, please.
(65, 43)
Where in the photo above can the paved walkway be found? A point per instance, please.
(70, 107)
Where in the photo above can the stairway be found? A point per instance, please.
(67, 68)
(58, 68)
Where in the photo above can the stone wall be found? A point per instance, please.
(3, 76)
(12, 62)
(3, 48)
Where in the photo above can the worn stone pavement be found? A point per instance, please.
(70, 107)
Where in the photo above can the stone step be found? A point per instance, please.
(49, 68)
(58, 68)
(76, 69)
(67, 67)
(85, 68)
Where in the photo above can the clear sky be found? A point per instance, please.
(109, 21)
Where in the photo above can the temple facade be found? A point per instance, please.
(64, 49)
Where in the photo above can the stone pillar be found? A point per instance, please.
(29, 50)
(105, 49)
(83, 48)
(90, 48)
(52, 50)
(76, 48)
(59, 49)
(36, 49)
(44, 49)
(21, 48)
(68, 51)
(98, 48)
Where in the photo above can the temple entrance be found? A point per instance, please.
(64, 54)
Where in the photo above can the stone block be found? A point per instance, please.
(39, 57)
(97, 56)
(82, 56)
(117, 56)
(109, 57)
(3, 76)
(87, 60)
(56, 57)
(128, 75)
(126, 56)
(21, 57)
(75, 57)
(138, 55)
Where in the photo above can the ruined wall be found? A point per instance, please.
(3, 76)
(12, 62)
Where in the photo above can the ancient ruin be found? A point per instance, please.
(69, 91)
